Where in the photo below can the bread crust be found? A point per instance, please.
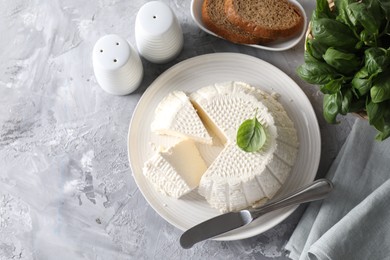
(228, 34)
(249, 26)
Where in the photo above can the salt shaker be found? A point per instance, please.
(158, 34)
(117, 65)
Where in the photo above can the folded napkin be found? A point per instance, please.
(353, 222)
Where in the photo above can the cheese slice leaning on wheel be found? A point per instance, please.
(176, 116)
(177, 170)
(238, 179)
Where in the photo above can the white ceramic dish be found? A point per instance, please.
(200, 71)
(279, 45)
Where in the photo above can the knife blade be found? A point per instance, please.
(215, 226)
(233, 220)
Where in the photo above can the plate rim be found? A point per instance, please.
(257, 46)
(284, 212)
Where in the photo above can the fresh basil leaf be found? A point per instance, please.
(376, 60)
(362, 73)
(368, 39)
(332, 106)
(322, 10)
(316, 72)
(342, 61)
(385, 5)
(316, 48)
(307, 57)
(344, 14)
(334, 33)
(380, 90)
(362, 86)
(369, 17)
(385, 133)
(375, 114)
(375, 8)
(362, 81)
(359, 45)
(332, 86)
(347, 98)
(379, 117)
(251, 135)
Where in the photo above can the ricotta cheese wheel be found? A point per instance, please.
(176, 116)
(176, 171)
(238, 179)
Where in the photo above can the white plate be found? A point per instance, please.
(200, 71)
(279, 45)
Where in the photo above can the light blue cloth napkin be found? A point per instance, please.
(353, 222)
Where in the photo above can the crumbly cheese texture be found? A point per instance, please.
(176, 171)
(237, 179)
(176, 116)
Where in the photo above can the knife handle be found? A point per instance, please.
(315, 191)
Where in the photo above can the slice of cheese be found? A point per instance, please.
(176, 116)
(176, 171)
(237, 179)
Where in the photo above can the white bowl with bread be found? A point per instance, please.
(274, 25)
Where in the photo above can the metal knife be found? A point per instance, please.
(223, 223)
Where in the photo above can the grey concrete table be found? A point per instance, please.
(66, 188)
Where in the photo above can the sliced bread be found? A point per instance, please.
(214, 18)
(265, 18)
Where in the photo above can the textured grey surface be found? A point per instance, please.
(66, 189)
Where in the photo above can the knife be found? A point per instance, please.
(223, 223)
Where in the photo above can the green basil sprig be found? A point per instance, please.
(251, 135)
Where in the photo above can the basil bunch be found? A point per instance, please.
(349, 58)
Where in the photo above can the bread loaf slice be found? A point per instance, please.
(214, 18)
(265, 18)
